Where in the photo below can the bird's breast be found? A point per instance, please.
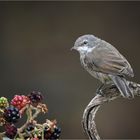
(91, 68)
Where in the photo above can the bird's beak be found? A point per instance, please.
(73, 48)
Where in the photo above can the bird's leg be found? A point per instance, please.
(99, 89)
(105, 86)
(112, 86)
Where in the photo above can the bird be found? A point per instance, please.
(104, 62)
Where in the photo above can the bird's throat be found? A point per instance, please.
(84, 49)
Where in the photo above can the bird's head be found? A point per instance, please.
(84, 43)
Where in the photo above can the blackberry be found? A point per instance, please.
(47, 133)
(56, 133)
(11, 114)
(30, 127)
(10, 130)
(20, 101)
(55, 136)
(35, 97)
(57, 130)
(3, 102)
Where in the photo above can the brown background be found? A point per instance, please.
(35, 42)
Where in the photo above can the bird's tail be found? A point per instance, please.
(122, 86)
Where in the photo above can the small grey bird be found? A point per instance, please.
(104, 62)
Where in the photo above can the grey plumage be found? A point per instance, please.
(104, 62)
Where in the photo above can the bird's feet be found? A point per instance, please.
(99, 90)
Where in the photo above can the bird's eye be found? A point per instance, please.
(85, 42)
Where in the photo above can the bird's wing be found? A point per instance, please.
(107, 59)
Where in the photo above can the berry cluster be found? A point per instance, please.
(51, 131)
(20, 101)
(52, 134)
(30, 127)
(56, 133)
(11, 114)
(31, 105)
(3, 102)
(10, 130)
(35, 97)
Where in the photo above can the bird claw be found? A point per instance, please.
(100, 92)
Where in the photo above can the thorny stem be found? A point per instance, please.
(30, 117)
(2, 135)
(43, 133)
(1, 111)
(30, 112)
(109, 93)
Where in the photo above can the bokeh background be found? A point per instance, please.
(35, 42)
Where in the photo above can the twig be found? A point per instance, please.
(1, 135)
(109, 93)
(30, 118)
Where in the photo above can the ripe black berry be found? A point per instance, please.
(30, 127)
(11, 114)
(10, 130)
(35, 97)
(57, 130)
(47, 132)
(56, 133)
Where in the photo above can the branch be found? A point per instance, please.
(107, 94)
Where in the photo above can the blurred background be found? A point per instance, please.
(35, 42)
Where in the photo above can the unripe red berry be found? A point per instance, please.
(20, 101)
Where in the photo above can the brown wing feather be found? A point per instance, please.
(107, 59)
